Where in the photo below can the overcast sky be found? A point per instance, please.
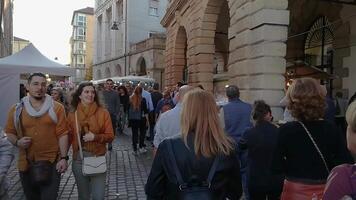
(47, 24)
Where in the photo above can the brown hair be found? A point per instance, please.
(306, 99)
(136, 98)
(75, 100)
(200, 117)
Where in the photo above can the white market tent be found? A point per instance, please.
(28, 60)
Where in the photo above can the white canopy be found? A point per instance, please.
(28, 60)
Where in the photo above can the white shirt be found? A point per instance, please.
(148, 98)
(168, 125)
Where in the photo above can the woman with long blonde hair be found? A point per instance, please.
(183, 163)
(138, 119)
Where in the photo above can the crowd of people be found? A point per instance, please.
(201, 150)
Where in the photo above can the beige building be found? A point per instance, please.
(18, 44)
(251, 43)
(82, 43)
(128, 39)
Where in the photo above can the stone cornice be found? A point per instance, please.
(170, 13)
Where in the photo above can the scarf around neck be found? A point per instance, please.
(47, 106)
(85, 112)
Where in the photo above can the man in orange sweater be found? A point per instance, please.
(37, 126)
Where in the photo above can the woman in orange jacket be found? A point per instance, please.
(95, 132)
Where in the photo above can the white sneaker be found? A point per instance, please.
(142, 150)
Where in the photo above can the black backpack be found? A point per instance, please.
(187, 191)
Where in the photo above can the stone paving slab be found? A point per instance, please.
(126, 176)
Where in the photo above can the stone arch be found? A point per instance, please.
(98, 74)
(212, 40)
(107, 72)
(141, 66)
(118, 70)
(179, 69)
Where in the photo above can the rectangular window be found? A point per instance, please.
(153, 11)
(80, 33)
(81, 20)
(80, 59)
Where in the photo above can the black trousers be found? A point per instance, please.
(136, 126)
(152, 121)
(40, 192)
(113, 122)
(263, 195)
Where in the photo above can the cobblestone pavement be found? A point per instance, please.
(126, 177)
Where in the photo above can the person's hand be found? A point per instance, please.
(88, 137)
(24, 142)
(62, 166)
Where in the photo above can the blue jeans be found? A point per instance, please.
(88, 185)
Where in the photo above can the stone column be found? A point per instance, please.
(258, 33)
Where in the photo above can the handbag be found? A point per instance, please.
(40, 171)
(91, 165)
(302, 190)
(187, 191)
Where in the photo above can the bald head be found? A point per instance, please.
(182, 91)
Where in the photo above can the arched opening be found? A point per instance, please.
(318, 41)
(98, 74)
(318, 48)
(221, 40)
(221, 46)
(141, 66)
(107, 72)
(118, 70)
(180, 64)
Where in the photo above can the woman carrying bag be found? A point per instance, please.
(307, 149)
(138, 119)
(91, 123)
(201, 162)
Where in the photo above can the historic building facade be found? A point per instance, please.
(250, 43)
(18, 44)
(219, 42)
(82, 43)
(124, 30)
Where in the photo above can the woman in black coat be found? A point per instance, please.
(261, 141)
(202, 139)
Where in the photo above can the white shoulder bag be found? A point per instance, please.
(90, 165)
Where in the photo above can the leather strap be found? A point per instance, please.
(316, 146)
(178, 174)
(78, 135)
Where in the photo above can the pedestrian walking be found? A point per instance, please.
(309, 147)
(124, 107)
(341, 181)
(112, 104)
(237, 119)
(138, 120)
(201, 160)
(156, 97)
(260, 141)
(168, 123)
(37, 126)
(95, 131)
